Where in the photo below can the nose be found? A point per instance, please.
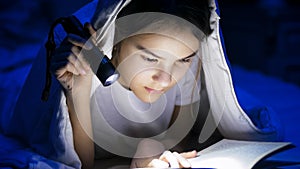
(162, 77)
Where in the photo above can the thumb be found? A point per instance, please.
(190, 154)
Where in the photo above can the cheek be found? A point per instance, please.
(129, 68)
(142, 78)
(179, 72)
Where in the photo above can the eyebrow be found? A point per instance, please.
(153, 54)
(191, 55)
(147, 51)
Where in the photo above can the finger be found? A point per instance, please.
(170, 158)
(78, 66)
(79, 41)
(63, 78)
(182, 161)
(68, 68)
(72, 69)
(78, 54)
(66, 80)
(156, 163)
(89, 28)
(190, 154)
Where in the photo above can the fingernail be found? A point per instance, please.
(185, 164)
(89, 45)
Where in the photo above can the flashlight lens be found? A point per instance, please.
(111, 79)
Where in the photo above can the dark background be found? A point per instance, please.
(262, 39)
(263, 35)
(259, 35)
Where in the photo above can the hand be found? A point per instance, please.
(173, 160)
(68, 64)
(151, 154)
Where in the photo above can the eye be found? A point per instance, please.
(149, 59)
(185, 60)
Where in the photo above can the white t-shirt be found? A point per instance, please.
(117, 111)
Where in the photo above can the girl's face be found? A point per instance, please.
(151, 64)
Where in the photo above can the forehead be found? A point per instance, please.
(162, 43)
(160, 24)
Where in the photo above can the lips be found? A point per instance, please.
(153, 91)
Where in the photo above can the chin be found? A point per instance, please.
(149, 98)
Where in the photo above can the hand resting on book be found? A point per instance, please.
(152, 154)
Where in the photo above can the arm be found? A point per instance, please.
(75, 75)
(79, 111)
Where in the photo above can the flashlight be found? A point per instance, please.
(100, 63)
(106, 72)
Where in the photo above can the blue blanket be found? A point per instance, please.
(15, 154)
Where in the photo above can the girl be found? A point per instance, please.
(154, 104)
(157, 57)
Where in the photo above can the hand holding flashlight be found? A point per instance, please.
(99, 63)
(69, 65)
(77, 43)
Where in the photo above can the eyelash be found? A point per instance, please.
(185, 60)
(149, 59)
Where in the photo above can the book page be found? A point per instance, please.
(234, 154)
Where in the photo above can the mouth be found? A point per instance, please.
(154, 91)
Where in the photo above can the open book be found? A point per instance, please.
(236, 154)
